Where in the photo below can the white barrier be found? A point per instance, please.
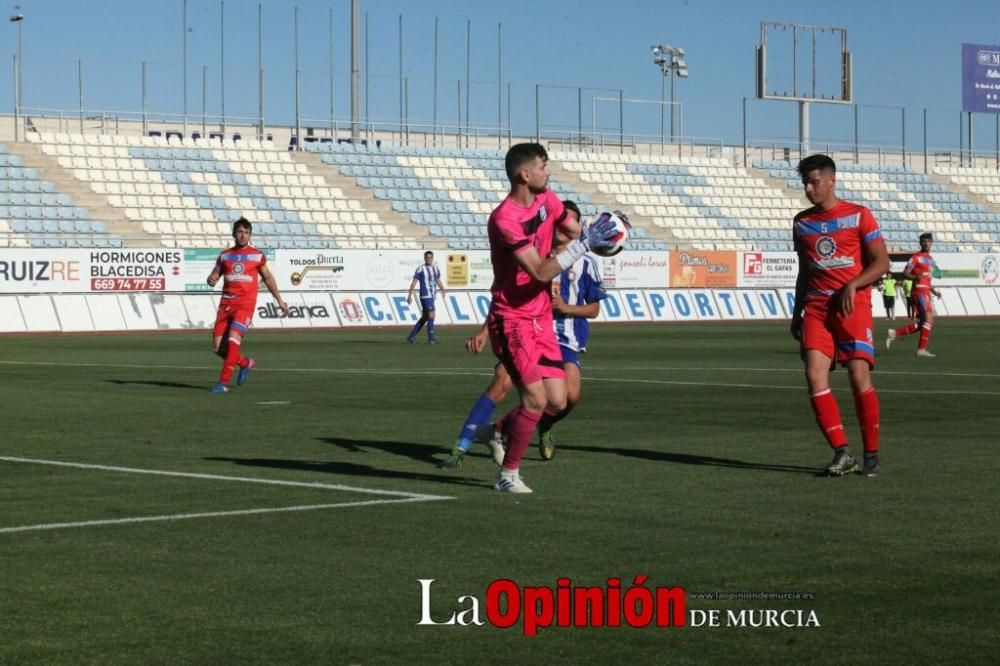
(72, 313)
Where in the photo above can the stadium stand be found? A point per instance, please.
(450, 191)
(187, 193)
(176, 192)
(907, 203)
(34, 214)
(707, 203)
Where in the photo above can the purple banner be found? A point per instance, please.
(980, 78)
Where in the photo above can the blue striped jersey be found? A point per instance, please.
(427, 277)
(580, 284)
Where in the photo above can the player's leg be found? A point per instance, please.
(818, 354)
(911, 327)
(925, 320)
(220, 343)
(515, 342)
(431, 312)
(856, 352)
(232, 359)
(480, 416)
(412, 337)
(546, 441)
(866, 406)
(220, 339)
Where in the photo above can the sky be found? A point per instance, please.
(906, 55)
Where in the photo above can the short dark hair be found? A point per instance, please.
(927, 236)
(571, 205)
(814, 162)
(242, 222)
(428, 252)
(520, 154)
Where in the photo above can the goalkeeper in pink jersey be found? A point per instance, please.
(521, 231)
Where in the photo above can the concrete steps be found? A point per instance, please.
(96, 205)
(349, 186)
(605, 202)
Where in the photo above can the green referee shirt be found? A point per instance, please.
(889, 287)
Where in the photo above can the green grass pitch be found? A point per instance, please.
(692, 460)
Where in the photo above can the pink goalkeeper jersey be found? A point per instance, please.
(513, 229)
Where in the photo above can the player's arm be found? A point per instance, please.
(213, 277)
(801, 283)
(599, 234)
(272, 286)
(588, 311)
(440, 287)
(876, 263)
(409, 294)
(570, 226)
(477, 341)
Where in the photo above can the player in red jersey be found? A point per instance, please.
(522, 335)
(920, 269)
(841, 254)
(239, 268)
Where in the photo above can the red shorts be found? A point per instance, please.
(922, 303)
(527, 348)
(841, 337)
(238, 315)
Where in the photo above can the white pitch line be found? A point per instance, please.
(481, 373)
(274, 402)
(221, 477)
(801, 387)
(212, 514)
(474, 371)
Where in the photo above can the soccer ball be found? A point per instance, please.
(622, 226)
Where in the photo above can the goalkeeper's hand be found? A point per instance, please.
(599, 233)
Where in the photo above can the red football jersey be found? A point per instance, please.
(833, 243)
(240, 271)
(922, 265)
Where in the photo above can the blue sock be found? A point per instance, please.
(416, 327)
(430, 329)
(480, 415)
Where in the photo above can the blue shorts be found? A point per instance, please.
(426, 305)
(570, 356)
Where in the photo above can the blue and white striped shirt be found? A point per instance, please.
(580, 284)
(427, 277)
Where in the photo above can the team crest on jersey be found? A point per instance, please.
(238, 267)
(826, 246)
(542, 213)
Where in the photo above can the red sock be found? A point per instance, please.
(233, 359)
(906, 330)
(866, 404)
(521, 424)
(925, 335)
(828, 417)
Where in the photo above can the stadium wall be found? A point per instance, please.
(80, 290)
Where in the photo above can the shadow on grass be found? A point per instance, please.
(422, 453)
(689, 459)
(352, 469)
(160, 384)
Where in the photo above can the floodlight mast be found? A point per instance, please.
(670, 60)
